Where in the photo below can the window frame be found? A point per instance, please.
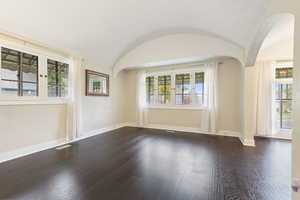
(276, 65)
(192, 71)
(42, 89)
(20, 80)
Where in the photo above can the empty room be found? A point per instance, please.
(150, 100)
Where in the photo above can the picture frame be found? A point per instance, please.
(97, 84)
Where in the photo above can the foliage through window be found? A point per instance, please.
(284, 73)
(19, 73)
(199, 87)
(58, 74)
(150, 89)
(182, 89)
(283, 98)
(164, 89)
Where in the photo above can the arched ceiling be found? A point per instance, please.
(102, 30)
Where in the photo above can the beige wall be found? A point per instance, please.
(99, 112)
(26, 125)
(229, 102)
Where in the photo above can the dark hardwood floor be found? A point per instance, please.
(147, 164)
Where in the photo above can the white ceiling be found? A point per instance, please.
(101, 30)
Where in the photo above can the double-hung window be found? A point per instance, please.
(199, 87)
(283, 98)
(19, 75)
(150, 89)
(58, 74)
(25, 75)
(183, 89)
(164, 89)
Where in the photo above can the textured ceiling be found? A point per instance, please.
(101, 30)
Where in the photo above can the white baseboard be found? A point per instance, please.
(187, 129)
(247, 142)
(6, 156)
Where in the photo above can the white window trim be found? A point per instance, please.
(42, 82)
(172, 73)
(279, 64)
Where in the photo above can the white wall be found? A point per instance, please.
(26, 125)
(282, 50)
(229, 102)
(99, 112)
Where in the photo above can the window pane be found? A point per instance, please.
(199, 99)
(179, 99)
(183, 89)
(52, 91)
(58, 79)
(289, 91)
(29, 68)
(284, 73)
(164, 89)
(287, 115)
(199, 82)
(277, 91)
(150, 89)
(10, 60)
(29, 89)
(9, 88)
(64, 74)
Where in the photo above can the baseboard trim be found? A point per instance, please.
(248, 142)
(187, 129)
(6, 156)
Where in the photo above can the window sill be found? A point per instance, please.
(173, 107)
(33, 102)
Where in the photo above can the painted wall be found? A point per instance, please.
(26, 125)
(229, 118)
(283, 50)
(99, 112)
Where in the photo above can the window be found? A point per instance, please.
(178, 88)
(183, 89)
(19, 73)
(283, 98)
(284, 73)
(58, 79)
(164, 89)
(199, 87)
(150, 89)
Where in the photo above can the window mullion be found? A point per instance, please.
(20, 74)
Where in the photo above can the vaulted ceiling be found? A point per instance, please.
(101, 30)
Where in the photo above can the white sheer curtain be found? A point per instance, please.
(209, 116)
(141, 98)
(266, 76)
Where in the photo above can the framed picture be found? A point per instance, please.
(97, 84)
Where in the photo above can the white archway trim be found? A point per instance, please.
(179, 47)
(262, 33)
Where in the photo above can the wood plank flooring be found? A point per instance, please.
(147, 164)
